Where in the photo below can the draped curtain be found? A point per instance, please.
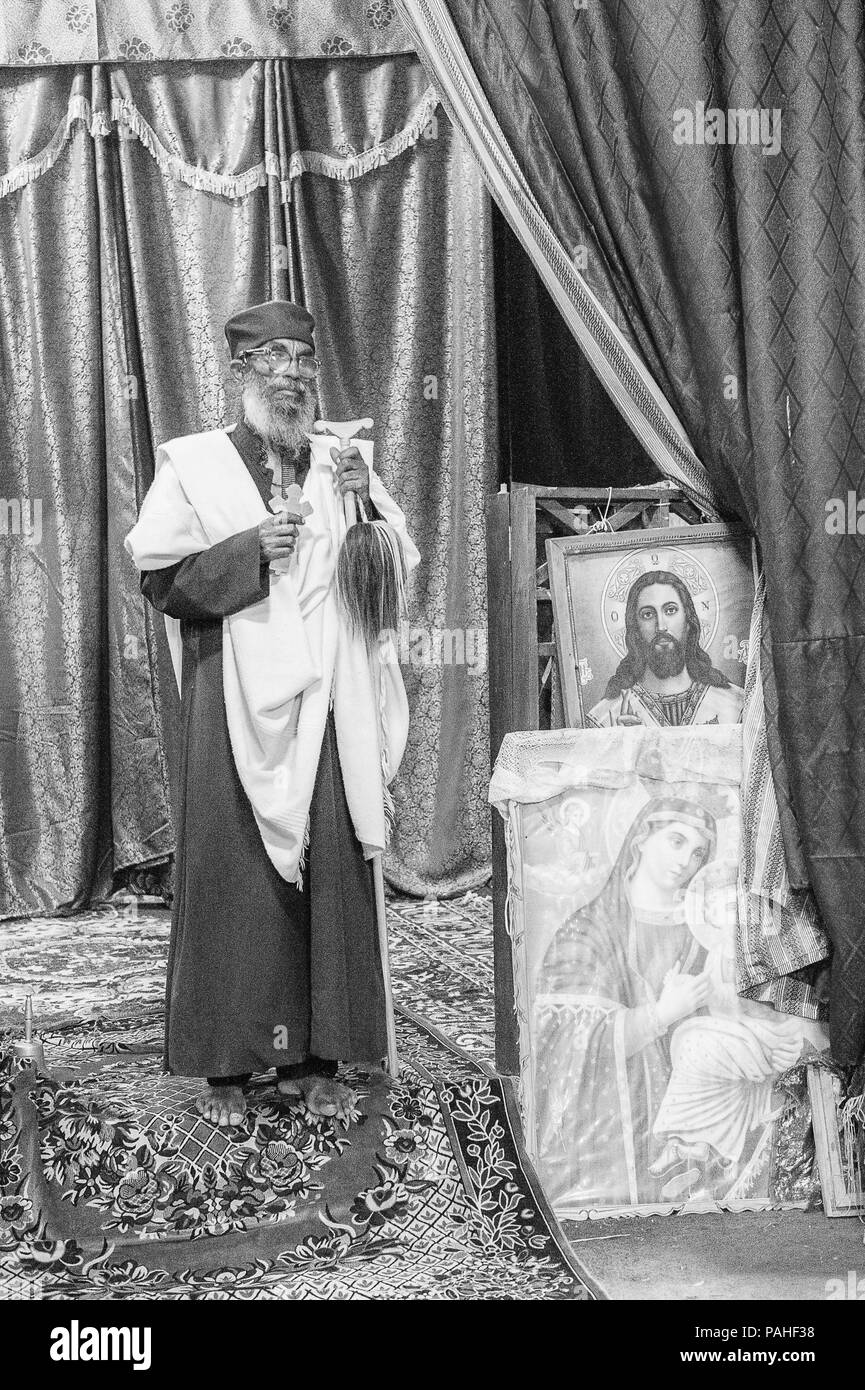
(732, 268)
(143, 205)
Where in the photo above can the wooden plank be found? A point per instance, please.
(566, 518)
(524, 609)
(657, 493)
(502, 720)
(569, 670)
(838, 1200)
(507, 1037)
(660, 516)
(557, 709)
(524, 715)
(499, 672)
(624, 515)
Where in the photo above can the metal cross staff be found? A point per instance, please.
(345, 430)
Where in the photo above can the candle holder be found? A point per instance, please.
(29, 1049)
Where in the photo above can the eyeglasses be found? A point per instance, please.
(277, 361)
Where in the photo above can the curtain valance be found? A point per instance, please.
(38, 32)
(208, 125)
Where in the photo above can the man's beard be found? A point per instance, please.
(279, 416)
(665, 656)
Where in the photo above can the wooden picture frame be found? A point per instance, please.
(841, 1173)
(590, 579)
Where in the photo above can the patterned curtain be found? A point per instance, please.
(702, 165)
(142, 207)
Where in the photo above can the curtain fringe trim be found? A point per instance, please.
(386, 794)
(301, 863)
(355, 166)
(31, 169)
(205, 180)
(127, 115)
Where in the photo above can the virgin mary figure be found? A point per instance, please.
(616, 978)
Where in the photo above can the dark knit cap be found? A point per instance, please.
(260, 323)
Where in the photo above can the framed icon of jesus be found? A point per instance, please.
(652, 626)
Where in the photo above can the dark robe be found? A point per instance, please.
(260, 973)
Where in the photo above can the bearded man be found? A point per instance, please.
(665, 677)
(289, 737)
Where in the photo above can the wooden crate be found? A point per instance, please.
(521, 662)
(840, 1180)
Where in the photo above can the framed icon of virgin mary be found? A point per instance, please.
(648, 1084)
(652, 626)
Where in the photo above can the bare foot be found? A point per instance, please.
(289, 1087)
(324, 1095)
(224, 1106)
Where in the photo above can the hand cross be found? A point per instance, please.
(292, 501)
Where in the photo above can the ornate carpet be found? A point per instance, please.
(114, 1187)
(111, 961)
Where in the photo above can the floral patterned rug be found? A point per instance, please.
(110, 962)
(114, 1187)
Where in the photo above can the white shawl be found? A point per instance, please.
(286, 658)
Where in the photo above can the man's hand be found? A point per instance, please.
(681, 996)
(352, 474)
(277, 536)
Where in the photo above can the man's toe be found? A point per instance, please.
(330, 1099)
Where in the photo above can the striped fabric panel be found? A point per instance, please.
(780, 935)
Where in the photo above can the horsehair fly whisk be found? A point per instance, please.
(370, 573)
